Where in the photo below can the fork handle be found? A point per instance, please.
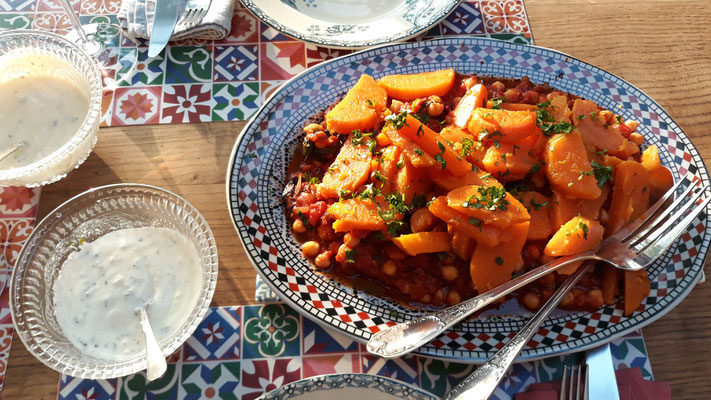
(402, 338)
(482, 382)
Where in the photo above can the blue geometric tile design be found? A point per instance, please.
(236, 63)
(217, 337)
(317, 340)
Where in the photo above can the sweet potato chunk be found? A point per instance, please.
(448, 181)
(473, 99)
(512, 125)
(610, 283)
(630, 195)
(411, 181)
(356, 213)
(637, 287)
(462, 245)
(492, 266)
(434, 145)
(539, 207)
(568, 168)
(509, 161)
(412, 86)
(660, 180)
(594, 131)
(559, 109)
(359, 109)
(491, 205)
(565, 208)
(482, 233)
(386, 170)
(650, 158)
(349, 171)
(413, 152)
(575, 236)
(424, 242)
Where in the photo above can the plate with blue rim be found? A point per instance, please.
(347, 387)
(351, 24)
(257, 175)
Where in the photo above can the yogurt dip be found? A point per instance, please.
(40, 104)
(100, 287)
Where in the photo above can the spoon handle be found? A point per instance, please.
(10, 150)
(482, 382)
(74, 19)
(154, 356)
(407, 336)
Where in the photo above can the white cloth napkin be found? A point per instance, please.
(136, 20)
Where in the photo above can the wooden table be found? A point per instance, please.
(660, 46)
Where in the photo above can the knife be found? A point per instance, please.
(601, 374)
(165, 17)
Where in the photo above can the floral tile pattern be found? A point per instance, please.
(242, 352)
(251, 52)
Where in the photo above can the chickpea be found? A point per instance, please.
(396, 106)
(450, 272)
(512, 95)
(311, 128)
(547, 280)
(426, 299)
(396, 254)
(326, 232)
(390, 268)
(298, 226)
(604, 217)
(568, 300)
(421, 220)
(636, 138)
(595, 298)
(406, 288)
(439, 296)
(632, 124)
(530, 300)
(323, 260)
(435, 109)
(497, 87)
(350, 240)
(453, 297)
(470, 82)
(310, 248)
(606, 115)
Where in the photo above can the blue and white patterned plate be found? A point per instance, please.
(351, 23)
(347, 387)
(260, 158)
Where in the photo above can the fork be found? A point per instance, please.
(193, 14)
(484, 380)
(634, 247)
(574, 391)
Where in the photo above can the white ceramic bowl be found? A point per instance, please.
(84, 73)
(88, 216)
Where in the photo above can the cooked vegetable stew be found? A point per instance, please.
(434, 187)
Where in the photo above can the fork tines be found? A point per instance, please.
(572, 389)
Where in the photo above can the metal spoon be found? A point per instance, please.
(12, 149)
(154, 356)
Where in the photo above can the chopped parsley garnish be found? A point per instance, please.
(582, 225)
(419, 152)
(602, 173)
(475, 221)
(490, 198)
(537, 206)
(400, 164)
(499, 261)
(418, 201)
(314, 180)
(467, 146)
(304, 219)
(398, 120)
(252, 155)
(581, 116)
(370, 103)
(350, 256)
(380, 177)
(420, 131)
(545, 121)
(618, 118)
(535, 168)
(584, 173)
(369, 192)
(496, 102)
(358, 137)
(439, 157)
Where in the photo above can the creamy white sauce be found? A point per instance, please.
(39, 107)
(100, 287)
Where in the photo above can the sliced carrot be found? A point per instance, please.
(448, 181)
(492, 266)
(348, 172)
(610, 283)
(411, 181)
(568, 168)
(413, 152)
(434, 145)
(575, 236)
(482, 233)
(539, 207)
(387, 169)
(637, 287)
(564, 208)
(473, 99)
(490, 205)
(594, 130)
(512, 125)
(508, 161)
(630, 195)
(462, 245)
(514, 106)
(382, 139)
(661, 180)
(412, 86)
(359, 109)
(559, 109)
(424, 242)
(356, 213)
(650, 158)
(465, 143)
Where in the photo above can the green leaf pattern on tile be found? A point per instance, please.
(15, 21)
(135, 387)
(439, 376)
(271, 329)
(196, 61)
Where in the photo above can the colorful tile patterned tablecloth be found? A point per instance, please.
(241, 352)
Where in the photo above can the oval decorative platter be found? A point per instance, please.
(347, 387)
(351, 23)
(258, 167)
